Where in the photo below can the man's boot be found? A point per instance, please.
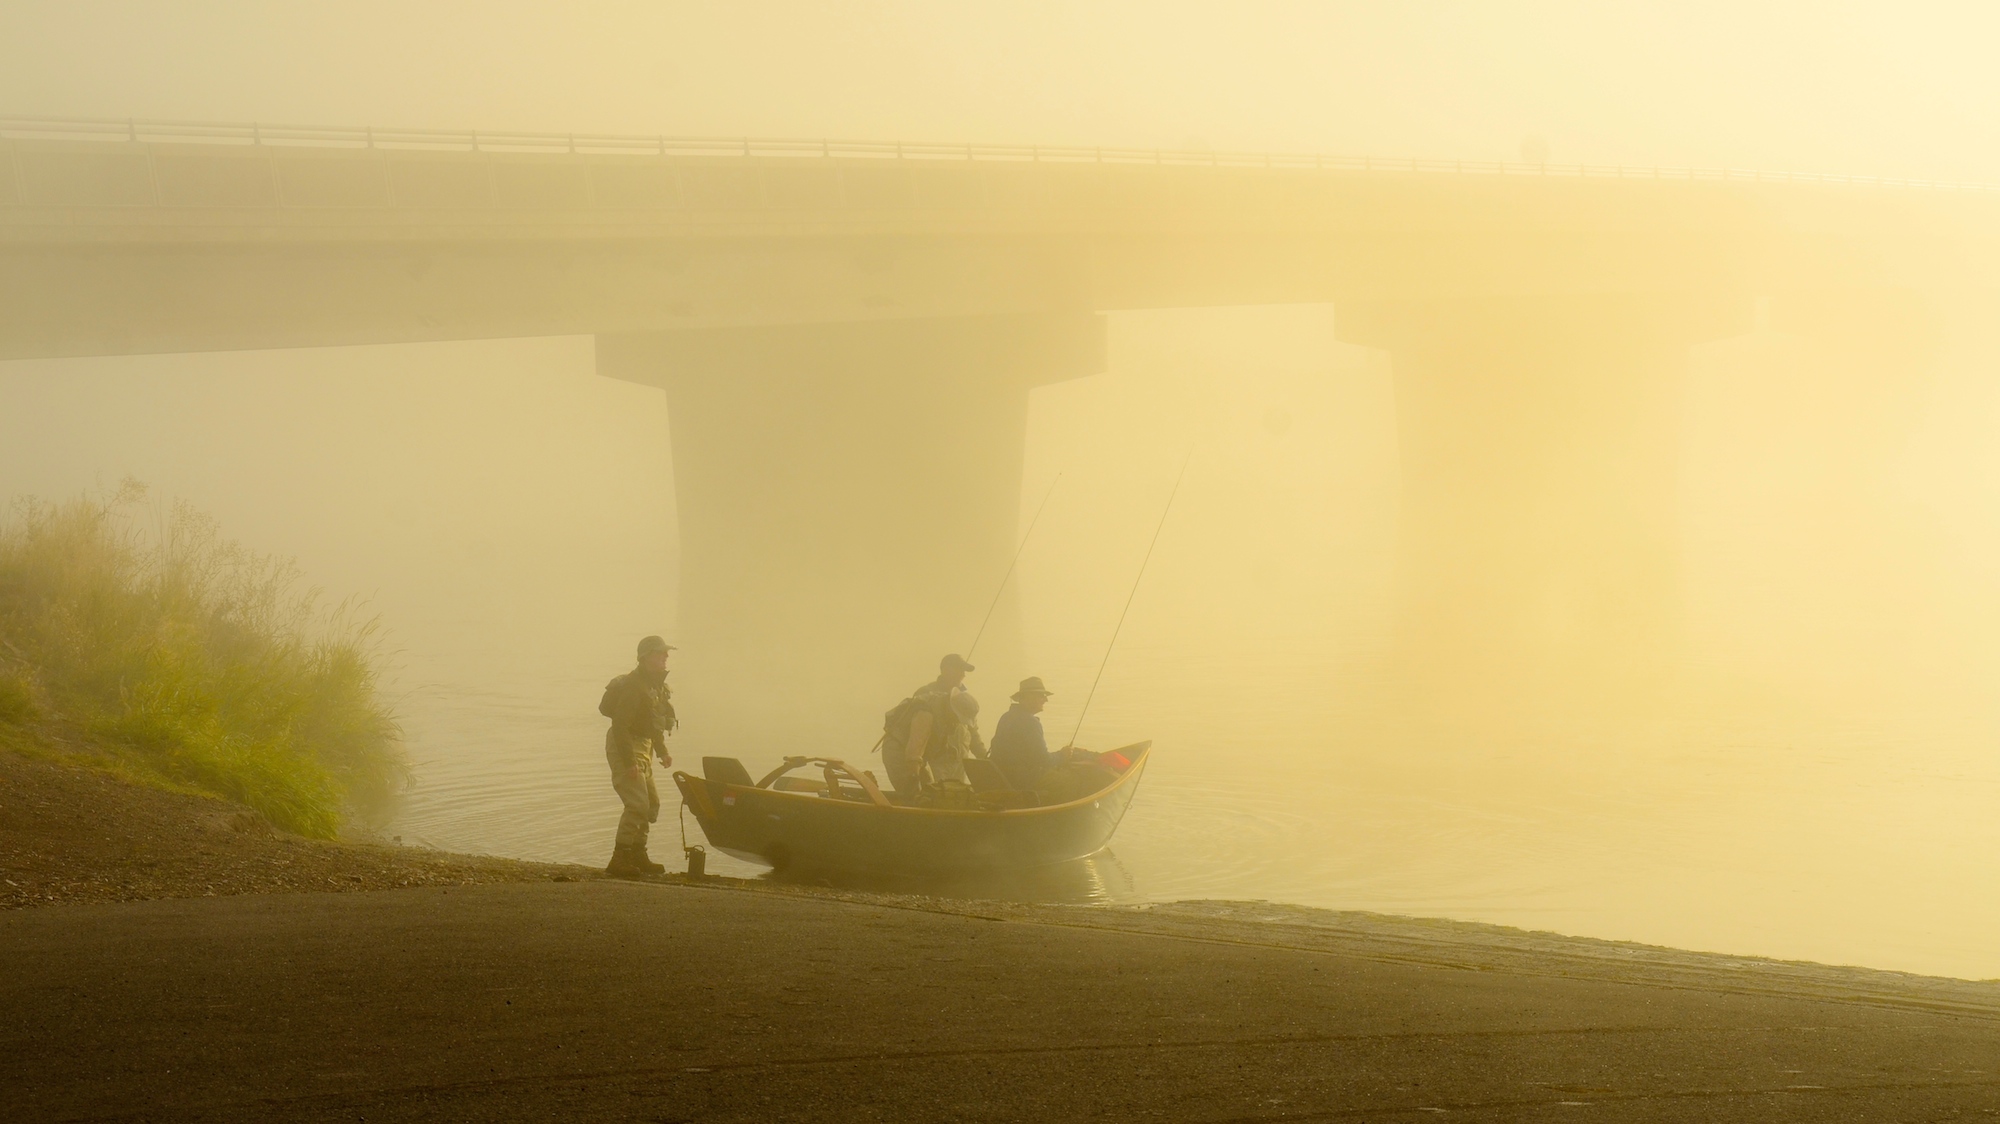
(622, 864)
(644, 862)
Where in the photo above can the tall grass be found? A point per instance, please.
(193, 659)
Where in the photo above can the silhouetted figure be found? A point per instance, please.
(1020, 749)
(641, 710)
(928, 735)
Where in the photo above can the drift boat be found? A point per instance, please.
(845, 822)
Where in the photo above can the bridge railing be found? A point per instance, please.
(468, 140)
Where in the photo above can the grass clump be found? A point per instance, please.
(193, 660)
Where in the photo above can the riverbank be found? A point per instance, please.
(606, 1000)
(73, 830)
(256, 984)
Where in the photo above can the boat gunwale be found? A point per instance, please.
(1130, 775)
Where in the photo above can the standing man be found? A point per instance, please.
(918, 726)
(951, 677)
(1020, 750)
(639, 704)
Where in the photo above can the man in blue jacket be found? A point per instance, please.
(1020, 749)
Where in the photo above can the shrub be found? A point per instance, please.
(196, 659)
(17, 699)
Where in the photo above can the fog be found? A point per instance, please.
(1863, 87)
(1753, 713)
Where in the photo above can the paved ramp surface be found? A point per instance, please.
(605, 1001)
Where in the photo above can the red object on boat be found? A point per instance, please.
(1116, 762)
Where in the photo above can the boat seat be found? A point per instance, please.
(726, 770)
(985, 776)
(797, 784)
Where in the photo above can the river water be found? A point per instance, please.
(1848, 850)
(1829, 795)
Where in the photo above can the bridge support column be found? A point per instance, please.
(1539, 440)
(1873, 355)
(848, 499)
(1866, 617)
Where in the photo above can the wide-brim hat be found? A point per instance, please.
(1032, 685)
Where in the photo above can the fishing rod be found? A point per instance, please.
(1018, 551)
(1010, 566)
(1128, 597)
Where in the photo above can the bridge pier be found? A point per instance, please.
(848, 498)
(1873, 350)
(1539, 440)
(1867, 616)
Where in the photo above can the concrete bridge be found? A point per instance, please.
(847, 334)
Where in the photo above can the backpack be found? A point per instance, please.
(896, 724)
(611, 692)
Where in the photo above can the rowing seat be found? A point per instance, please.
(726, 770)
(985, 775)
(991, 786)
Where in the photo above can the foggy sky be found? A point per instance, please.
(1899, 89)
(512, 515)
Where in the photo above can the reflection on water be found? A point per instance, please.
(1097, 879)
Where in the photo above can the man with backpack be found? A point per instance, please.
(931, 728)
(639, 704)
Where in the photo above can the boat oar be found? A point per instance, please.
(1128, 598)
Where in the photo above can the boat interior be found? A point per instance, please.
(1085, 774)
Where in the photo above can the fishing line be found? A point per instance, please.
(1010, 566)
(1128, 597)
(1018, 551)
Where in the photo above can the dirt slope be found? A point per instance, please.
(69, 832)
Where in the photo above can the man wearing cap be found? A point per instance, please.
(1020, 749)
(639, 704)
(941, 730)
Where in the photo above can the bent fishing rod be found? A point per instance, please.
(1010, 566)
(1120, 627)
(1018, 551)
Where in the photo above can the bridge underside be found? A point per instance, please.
(1539, 424)
(848, 499)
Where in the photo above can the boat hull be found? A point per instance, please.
(802, 831)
